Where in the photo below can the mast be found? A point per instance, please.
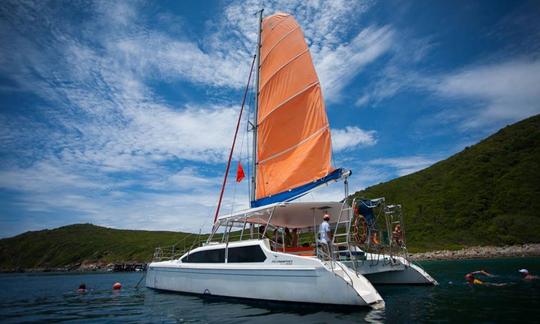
(254, 156)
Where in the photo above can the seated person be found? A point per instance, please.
(288, 237)
(262, 233)
(374, 238)
(365, 209)
(397, 235)
(294, 241)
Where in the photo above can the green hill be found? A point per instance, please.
(487, 194)
(73, 244)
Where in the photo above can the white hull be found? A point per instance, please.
(379, 269)
(282, 277)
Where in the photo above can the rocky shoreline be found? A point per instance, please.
(473, 252)
(480, 252)
(86, 266)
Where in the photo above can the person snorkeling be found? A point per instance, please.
(472, 280)
(527, 275)
(82, 288)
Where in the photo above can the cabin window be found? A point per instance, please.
(206, 256)
(251, 253)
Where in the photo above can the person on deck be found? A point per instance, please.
(325, 235)
(288, 237)
(397, 235)
(365, 209)
(294, 242)
(262, 231)
(277, 236)
(527, 276)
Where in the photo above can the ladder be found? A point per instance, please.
(341, 240)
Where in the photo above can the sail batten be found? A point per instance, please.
(293, 147)
(275, 45)
(289, 99)
(304, 52)
(293, 135)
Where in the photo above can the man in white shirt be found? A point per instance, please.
(325, 235)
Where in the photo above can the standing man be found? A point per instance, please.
(325, 235)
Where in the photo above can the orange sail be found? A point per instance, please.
(293, 135)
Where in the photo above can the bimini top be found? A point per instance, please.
(287, 214)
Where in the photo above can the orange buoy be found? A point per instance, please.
(117, 286)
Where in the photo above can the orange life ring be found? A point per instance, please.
(360, 229)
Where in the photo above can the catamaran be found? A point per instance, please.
(270, 251)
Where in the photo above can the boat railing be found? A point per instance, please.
(344, 270)
(327, 256)
(383, 237)
(175, 251)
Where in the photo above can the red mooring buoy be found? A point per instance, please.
(117, 286)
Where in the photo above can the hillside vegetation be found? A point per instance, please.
(73, 244)
(487, 194)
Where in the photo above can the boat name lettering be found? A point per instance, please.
(282, 261)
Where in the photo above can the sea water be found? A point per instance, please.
(53, 297)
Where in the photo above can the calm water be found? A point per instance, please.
(52, 297)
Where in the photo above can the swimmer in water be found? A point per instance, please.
(82, 288)
(472, 280)
(527, 276)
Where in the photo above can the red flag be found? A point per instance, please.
(240, 173)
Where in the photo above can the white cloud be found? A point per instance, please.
(337, 67)
(506, 91)
(488, 94)
(104, 143)
(352, 136)
(404, 165)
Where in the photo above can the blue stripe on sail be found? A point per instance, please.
(298, 191)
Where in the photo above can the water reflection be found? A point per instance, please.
(39, 297)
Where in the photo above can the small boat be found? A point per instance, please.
(271, 250)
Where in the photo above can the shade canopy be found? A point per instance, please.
(288, 214)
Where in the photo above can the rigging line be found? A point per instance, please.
(251, 151)
(240, 159)
(234, 142)
(248, 160)
(251, 102)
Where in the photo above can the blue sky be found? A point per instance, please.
(121, 113)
